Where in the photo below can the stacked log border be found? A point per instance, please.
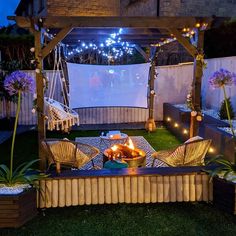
(130, 185)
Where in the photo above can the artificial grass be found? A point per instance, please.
(134, 219)
(26, 146)
(122, 219)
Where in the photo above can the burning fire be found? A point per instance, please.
(114, 148)
(130, 144)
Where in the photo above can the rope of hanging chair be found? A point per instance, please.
(60, 116)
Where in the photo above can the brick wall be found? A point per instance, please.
(179, 7)
(197, 7)
(83, 7)
(138, 8)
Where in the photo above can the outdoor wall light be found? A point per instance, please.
(185, 131)
(211, 150)
(168, 119)
(176, 125)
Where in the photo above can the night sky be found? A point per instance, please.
(7, 8)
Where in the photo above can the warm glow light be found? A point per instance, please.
(198, 25)
(130, 144)
(211, 150)
(114, 148)
(185, 131)
(168, 119)
(176, 125)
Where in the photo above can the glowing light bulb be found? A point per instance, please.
(168, 119)
(185, 131)
(211, 150)
(176, 125)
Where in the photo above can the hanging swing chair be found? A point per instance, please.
(59, 116)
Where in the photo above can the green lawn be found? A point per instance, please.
(123, 219)
(26, 143)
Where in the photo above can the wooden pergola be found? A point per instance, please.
(141, 30)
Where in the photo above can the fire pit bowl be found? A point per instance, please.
(133, 156)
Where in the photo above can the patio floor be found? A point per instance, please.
(139, 142)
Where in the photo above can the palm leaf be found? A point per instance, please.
(26, 167)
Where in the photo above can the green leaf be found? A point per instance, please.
(26, 167)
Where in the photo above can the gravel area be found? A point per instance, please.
(19, 188)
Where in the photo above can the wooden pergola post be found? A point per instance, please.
(150, 125)
(197, 53)
(197, 83)
(41, 52)
(40, 95)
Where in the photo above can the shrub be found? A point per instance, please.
(223, 112)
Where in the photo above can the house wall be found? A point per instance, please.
(83, 7)
(178, 7)
(197, 7)
(139, 8)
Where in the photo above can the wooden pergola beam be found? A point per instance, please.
(107, 21)
(183, 41)
(142, 52)
(59, 37)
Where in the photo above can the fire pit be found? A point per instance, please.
(127, 152)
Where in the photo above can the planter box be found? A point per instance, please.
(16, 210)
(222, 141)
(209, 120)
(224, 195)
(182, 118)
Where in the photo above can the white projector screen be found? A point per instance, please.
(99, 85)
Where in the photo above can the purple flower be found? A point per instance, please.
(19, 81)
(222, 78)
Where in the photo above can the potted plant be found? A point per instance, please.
(224, 181)
(7, 122)
(17, 186)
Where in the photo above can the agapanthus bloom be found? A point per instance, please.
(222, 78)
(19, 81)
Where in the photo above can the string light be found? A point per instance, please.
(112, 48)
(187, 32)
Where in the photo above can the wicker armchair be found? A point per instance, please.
(188, 154)
(68, 153)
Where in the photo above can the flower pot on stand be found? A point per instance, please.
(16, 210)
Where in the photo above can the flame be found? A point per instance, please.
(130, 144)
(114, 148)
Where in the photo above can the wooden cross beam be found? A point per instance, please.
(107, 21)
(142, 52)
(59, 37)
(183, 41)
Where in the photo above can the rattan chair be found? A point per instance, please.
(69, 153)
(188, 154)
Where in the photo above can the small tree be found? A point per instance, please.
(223, 111)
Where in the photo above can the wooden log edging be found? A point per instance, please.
(131, 185)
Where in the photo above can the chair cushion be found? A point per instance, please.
(174, 158)
(195, 138)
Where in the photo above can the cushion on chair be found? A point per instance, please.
(195, 138)
(173, 158)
